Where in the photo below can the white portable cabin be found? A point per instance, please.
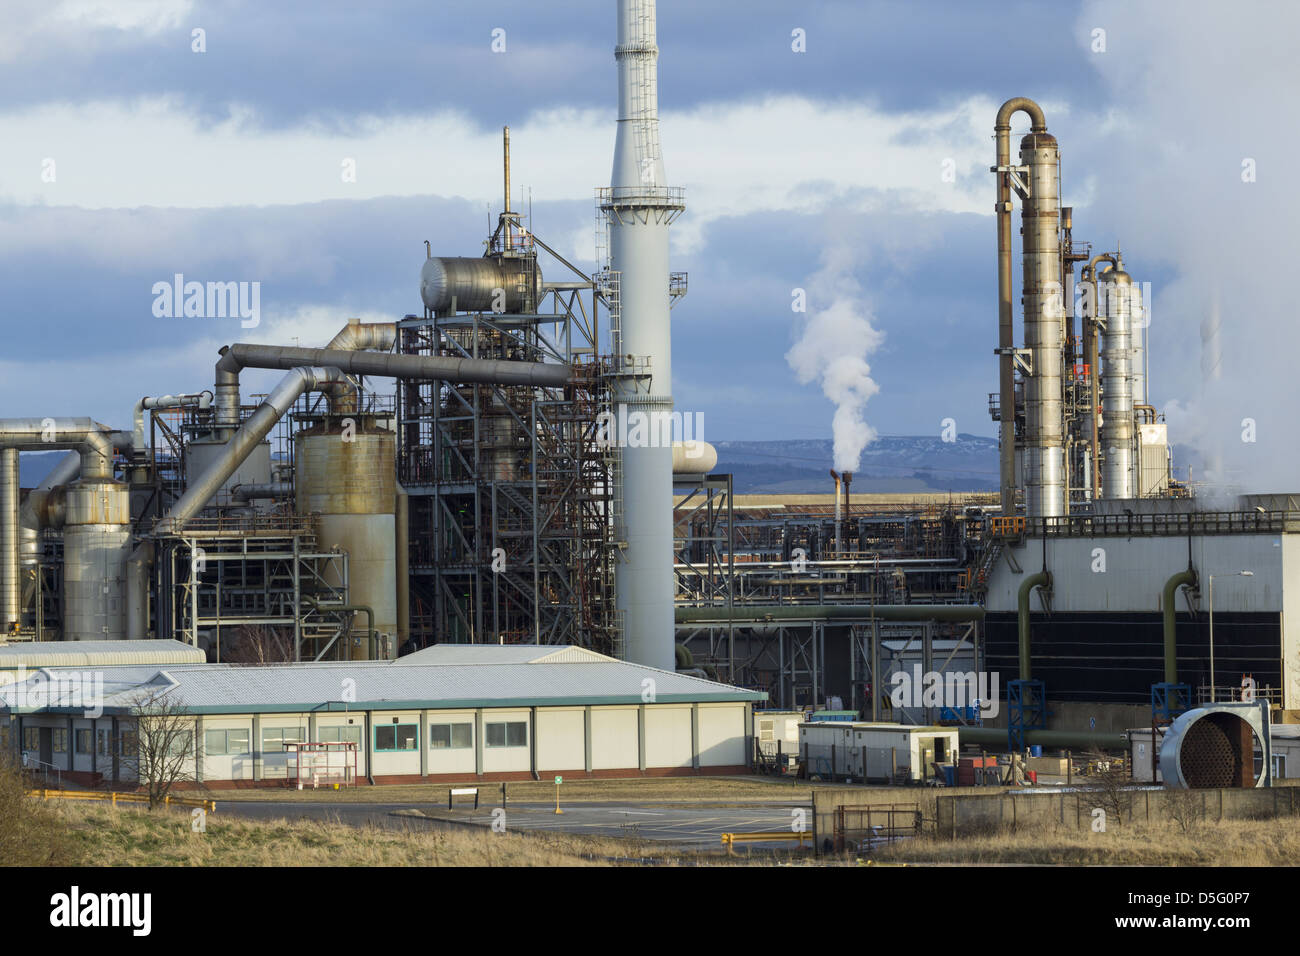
(875, 752)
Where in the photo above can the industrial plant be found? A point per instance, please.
(436, 507)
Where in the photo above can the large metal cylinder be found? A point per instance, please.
(1137, 341)
(639, 209)
(1114, 290)
(10, 609)
(347, 475)
(485, 284)
(96, 544)
(1044, 440)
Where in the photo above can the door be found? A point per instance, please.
(47, 745)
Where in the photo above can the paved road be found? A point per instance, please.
(682, 825)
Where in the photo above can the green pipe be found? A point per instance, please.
(1041, 579)
(685, 659)
(1182, 578)
(762, 613)
(996, 737)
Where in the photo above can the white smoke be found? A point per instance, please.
(1199, 158)
(833, 349)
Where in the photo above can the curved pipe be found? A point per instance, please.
(87, 436)
(1168, 606)
(1042, 579)
(1006, 332)
(685, 659)
(239, 356)
(34, 515)
(198, 400)
(202, 489)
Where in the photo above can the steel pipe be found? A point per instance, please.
(196, 400)
(1168, 607)
(1042, 579)
(10, 607)
(763, 613)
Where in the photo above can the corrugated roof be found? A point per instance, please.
(501, 654)
(555, 678)
(34, 654)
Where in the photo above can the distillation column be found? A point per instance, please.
(1115, 294)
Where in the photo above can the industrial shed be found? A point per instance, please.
(450, 712)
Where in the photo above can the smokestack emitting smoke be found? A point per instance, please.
(833, 350)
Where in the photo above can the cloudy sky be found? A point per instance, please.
(127, 157)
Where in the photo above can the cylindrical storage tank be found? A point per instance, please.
(201, 453)
(485, 284)
(1114, 302)
(1044, 439)
(346, 474)
(96, 544)
(695, 458)
(501, 442)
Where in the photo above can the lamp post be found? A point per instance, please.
(1233, 574)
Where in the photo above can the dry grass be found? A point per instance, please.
(31, 833)
(1228, 843)
(641, 789)
(133, 836)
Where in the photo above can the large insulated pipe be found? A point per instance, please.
(1115, 302)
(260, 492)
(1168, 606)
(196, 400)
(32, 516)
(1006, 328)
(997, 737)
(10, 606)
(1042, 579)
(639, 209)
(274, 407)
(237, 357)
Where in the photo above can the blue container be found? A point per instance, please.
(950, 775)
(1036, 750)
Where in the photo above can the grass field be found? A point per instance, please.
(1228, 843)
(130, 836)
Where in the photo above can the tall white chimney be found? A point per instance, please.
(639, 208)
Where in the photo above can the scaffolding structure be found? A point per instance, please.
(510, 487)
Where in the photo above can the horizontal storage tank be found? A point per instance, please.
(345, 473)
(96, 543)
(474, 283)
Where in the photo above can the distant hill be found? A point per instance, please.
(889, 464)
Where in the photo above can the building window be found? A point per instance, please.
(83, 741)
(339, 735)
(126, 743)
(274, 738)
(181, 744)
(59, 740)
(397, 737)
(32, 738)
(221, 743)
(451, 736)
(104, 742)
(512, 734)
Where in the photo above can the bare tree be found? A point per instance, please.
(1108, 778)
(165, 749)
(1185, 807)
(259, 644)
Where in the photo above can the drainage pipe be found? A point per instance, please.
(1169, 607)
(1042, 579)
